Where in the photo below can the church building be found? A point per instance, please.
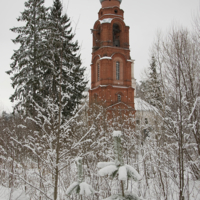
(112, 70)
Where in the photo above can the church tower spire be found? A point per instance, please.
(112, 67)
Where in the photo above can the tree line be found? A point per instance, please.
(172, 85)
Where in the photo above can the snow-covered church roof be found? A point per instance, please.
(141, 105)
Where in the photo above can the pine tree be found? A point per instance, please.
(29, 59)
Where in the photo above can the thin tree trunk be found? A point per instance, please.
(122, 187)
(58, 135)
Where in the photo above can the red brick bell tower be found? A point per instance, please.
(112, 67)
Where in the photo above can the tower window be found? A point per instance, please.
(98, 72)
(117, 70)
(119, 98)
(116, 35)
(116, 11)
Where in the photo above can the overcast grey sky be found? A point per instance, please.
(145, 18)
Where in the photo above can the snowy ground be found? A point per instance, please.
(8, 194)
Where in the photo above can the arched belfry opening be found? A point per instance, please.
(96, 37)
(98, 31)
(116, 35)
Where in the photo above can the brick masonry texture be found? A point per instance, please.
(111, 46)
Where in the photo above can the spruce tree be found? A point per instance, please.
(151, 88)
(48, 79)
(65, 72)
(63, 83)
(47, 61)
(155, 85)
(80, 187)
(29, 59)
(118, 169)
